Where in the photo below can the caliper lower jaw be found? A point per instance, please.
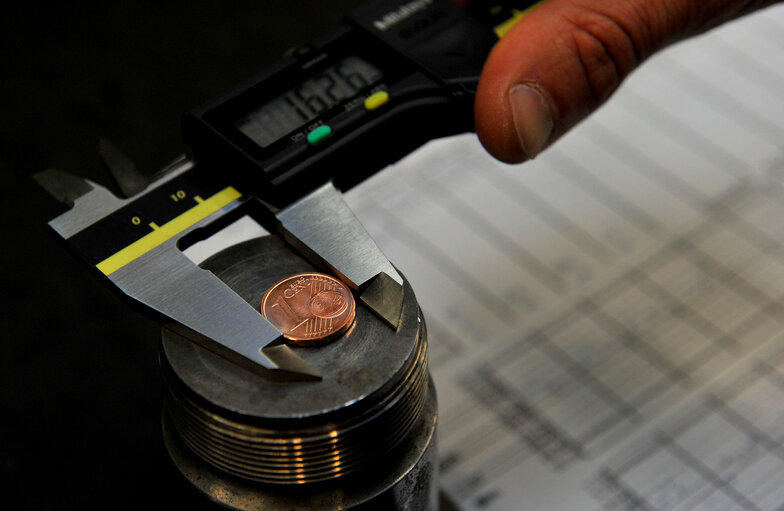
(282, 364)
(321, 226)
(212, 316)
(384, 296)
(325, 230)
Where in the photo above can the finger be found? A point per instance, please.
(566, 57)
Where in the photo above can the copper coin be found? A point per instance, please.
(309, 308)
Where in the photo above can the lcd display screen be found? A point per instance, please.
(302, 104)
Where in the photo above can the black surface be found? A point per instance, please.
(80, 393)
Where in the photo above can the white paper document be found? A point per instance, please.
(606, 323)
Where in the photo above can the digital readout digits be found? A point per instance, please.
(305, 102)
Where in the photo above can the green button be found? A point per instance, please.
(319, 134)
(376, 100)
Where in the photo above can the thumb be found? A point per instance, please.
(566, 57)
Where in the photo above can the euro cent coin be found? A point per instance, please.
(309, 308)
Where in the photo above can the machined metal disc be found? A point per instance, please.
(374, 386)
(366, 360)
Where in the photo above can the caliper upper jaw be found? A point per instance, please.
(89, 202)
(64, 187)
(324, 229)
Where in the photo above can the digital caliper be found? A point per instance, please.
(346, 420)
(279, 147)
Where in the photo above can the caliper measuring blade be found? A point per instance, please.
(168, 282)
(323, 227)
(164, 279)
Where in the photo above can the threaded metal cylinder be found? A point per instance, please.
(361, 431)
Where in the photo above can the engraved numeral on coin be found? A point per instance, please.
(309, 308)
(280, 308)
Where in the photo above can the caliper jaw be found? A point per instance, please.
(169, 283)
(325, 230)
(206, 310)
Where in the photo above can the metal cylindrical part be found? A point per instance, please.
(361, 438)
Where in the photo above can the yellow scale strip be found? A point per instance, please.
(502, 29)
(199, 212)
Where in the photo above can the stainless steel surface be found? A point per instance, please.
(362, 436)
(322, 226)
(165, 280)
(99, 202)
(87, 209)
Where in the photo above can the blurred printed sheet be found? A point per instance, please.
(607, 322)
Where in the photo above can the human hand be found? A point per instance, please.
(566, 57)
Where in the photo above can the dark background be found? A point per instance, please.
(80, 393)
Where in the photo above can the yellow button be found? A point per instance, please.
(376, 99)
